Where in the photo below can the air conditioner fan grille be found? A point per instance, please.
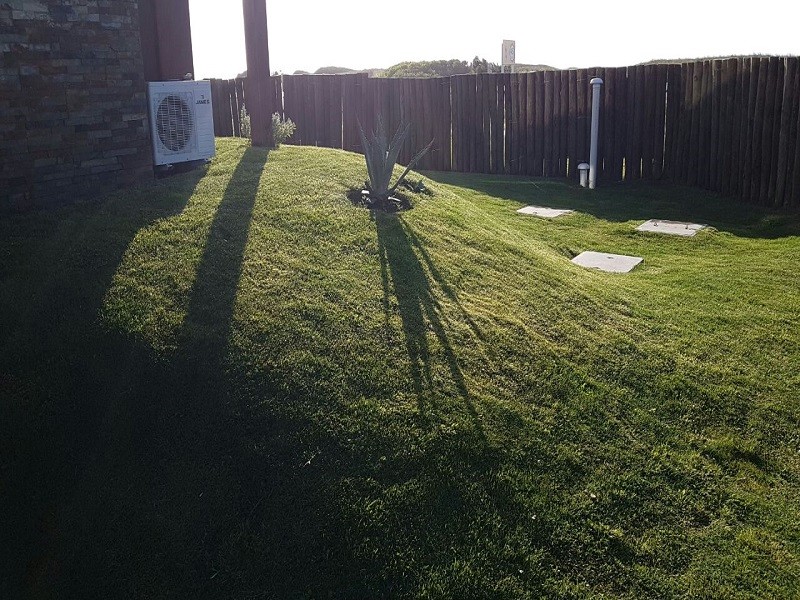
(174, 123)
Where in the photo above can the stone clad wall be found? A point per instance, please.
(73, 102)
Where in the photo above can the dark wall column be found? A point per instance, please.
(166, 39)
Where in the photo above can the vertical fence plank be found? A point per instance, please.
(324, 116)
(506, 78)
(217, 108)
(660, 127)
(487, 100)
(447, 111)
(237, 125)
(734, 170)
(643, 145)
(295, 100)
(308, 98)
(522, 141)
(557, 125)
(463, 142)
(288, 106)
(460, 145)
(530, 124)
(433, 124)
(758, 129)
(442, 129)
(643, 162)
(548, 124)
(785, 136)
(752, 66)
(633, 154)
(400, 102)
(460, 114)
(696, 123)
(229, 99)
(603, 140)
(609, 119)
(539, 109)
(648, 120)
(515, 129)
(294, 106)
(670, 127)
(571, 118)
(793, 200)
(471, 85)
(226, 122)
(716, 101)
(495, 132)
(338, 108)
(777, 73)
(424, 120)
(745, 73)
(620, 121)
(680, 155)
(349, 113)
(318, 117)
(478, 126)
(426, 123)
(707, 134)
(562, 83)
(726, 126)
(277, 95)
(632, 157)
(241, 98)
(305, 107)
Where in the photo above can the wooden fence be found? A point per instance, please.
(731, 125)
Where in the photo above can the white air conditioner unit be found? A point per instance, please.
(181, 121)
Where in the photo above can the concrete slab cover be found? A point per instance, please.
(670, 227)
(612, 263)
(544, 212)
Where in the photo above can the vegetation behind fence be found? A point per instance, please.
(726, 125)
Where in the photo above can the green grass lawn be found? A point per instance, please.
(235, 384)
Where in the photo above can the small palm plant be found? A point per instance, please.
(381, 156)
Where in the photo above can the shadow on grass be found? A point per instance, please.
(419, 311)
(167, 477)
(55, 376)
(211, 305)
(634, 201)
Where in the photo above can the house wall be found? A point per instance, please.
(73, 102)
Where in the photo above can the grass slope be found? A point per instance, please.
(236, 384)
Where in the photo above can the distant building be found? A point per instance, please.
(73, 103)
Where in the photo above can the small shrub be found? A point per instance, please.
(244, 122)
(282, 129)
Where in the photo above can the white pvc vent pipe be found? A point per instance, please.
(596, 84)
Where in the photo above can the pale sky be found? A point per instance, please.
(363, 34)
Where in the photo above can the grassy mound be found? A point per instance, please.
(236, 384)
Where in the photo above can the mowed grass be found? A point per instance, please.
(235, 384)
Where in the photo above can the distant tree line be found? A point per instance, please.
(426, 68)
(441, 68)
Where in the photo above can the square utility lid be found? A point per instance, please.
(544, 212)
(611, 263)
(670, 227)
